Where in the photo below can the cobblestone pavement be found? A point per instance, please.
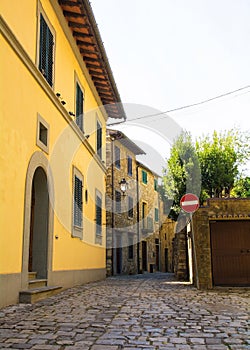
(151, 311)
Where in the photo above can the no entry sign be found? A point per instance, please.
(189, 202)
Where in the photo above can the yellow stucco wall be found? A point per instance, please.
(22, 100)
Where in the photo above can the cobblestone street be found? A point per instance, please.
(151, 311)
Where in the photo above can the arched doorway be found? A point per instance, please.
(39, 220)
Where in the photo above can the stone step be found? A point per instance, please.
(31, 296)
(32, 275)
(37, 283)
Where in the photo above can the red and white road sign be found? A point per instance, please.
(189, 202)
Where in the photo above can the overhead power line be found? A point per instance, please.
(186, 106)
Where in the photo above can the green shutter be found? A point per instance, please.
(144, 177)
(156, 214)
(46, 51)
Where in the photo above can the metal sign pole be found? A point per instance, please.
(194, 250)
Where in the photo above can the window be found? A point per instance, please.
(130, 207)
(99, 139)
(130, 246)
(129, 160)
(79, 106)
(117, 202)
(117, 157)
(155, 184)
(77, 204)
(156, 214)
(46, 51)
(144, 177)
(42, 137)
(98, 214)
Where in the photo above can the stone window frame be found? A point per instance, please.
(39, 142)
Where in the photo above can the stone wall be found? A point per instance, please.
(167, 233)
(216, 209)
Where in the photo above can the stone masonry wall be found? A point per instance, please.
(216, 209)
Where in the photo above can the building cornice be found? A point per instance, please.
(24, 57)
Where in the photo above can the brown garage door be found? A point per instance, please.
(230, 245)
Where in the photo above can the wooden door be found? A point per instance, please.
(230, 246)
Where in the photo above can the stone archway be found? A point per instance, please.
(38, 187)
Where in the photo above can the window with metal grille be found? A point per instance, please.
(144, 177)
(129, 161)
(79, 106)
(156, 214)
(98, 215)
(77, 202)
(130, 246)
(46, 51)
(118, 202)
(117, 157)
(130, 207)
(99, 139)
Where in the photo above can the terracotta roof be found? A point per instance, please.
(81, 21)
(125, 141)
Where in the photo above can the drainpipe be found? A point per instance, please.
(138, 220)
(112, 206)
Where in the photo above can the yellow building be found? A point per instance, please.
(54, 77)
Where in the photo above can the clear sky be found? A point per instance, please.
(166, 54)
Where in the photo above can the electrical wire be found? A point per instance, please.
(186, 106)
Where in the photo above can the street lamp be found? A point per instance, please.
(123, 185)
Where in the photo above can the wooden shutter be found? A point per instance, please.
(118, 201)
(130, 207)
(78, 202)
(117, 157)
(79, 107)
(129, 165)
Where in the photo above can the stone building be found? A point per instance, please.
(148, 219)
(121, 206)
(167, 233)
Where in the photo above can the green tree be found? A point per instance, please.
(182, 173)
(220, 158)
(241, 188)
